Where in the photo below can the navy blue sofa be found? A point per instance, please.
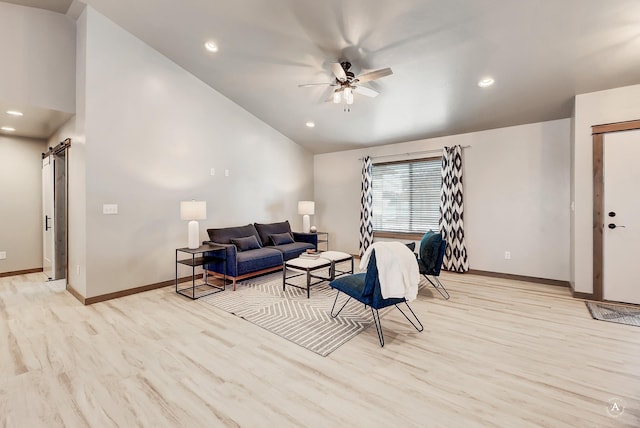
(257, 248)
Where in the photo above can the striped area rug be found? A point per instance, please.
(289, 314)
(621, 314)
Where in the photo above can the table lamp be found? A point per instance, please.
(193, 210)
(305, 209)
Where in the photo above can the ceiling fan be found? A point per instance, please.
(348, 83)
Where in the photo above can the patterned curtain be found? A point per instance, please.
(366, 205)
(451, 211)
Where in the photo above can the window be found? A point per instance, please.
(406, 196)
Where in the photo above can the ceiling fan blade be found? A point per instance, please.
(373, 75)
(367, 92)
(304, 85)
(338, 71)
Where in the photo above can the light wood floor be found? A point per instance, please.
(500, 353)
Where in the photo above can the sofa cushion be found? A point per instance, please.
(225, 234)
(264, 230)
(293, 250)
(246, 243)
(258, 259)
(281, 238)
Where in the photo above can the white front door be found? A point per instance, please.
(621, 238)
(48, 241)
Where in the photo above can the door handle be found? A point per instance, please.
(613, 226)
(46, 223)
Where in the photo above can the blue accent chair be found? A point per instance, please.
(365, 288)
(432, 249)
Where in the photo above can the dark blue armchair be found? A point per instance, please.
(365, 288)
(432, 248)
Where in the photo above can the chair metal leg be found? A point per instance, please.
(376, 321)
(409, 319)
(439, 287)
(334, 305)
(376, 317)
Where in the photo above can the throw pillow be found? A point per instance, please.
(265, 230)
(246, 243)
(423, 242)
(281, 238)
(429, 249)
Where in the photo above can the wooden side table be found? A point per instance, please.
(199, 257)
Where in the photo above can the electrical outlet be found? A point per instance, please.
(226, 172)
(77, 269)
(213, 171)
(507, 255)
(110, 209)
(3, 255)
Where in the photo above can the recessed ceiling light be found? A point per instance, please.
(8, 128)
(211, 47)
(486, 82)
(14, 113)
(310, 124)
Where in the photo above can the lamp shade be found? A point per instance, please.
(193, 210)
(306, 207)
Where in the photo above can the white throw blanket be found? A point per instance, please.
(397, 269)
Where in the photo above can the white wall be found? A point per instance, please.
(38, 58)
(21, 203)
(516, 196)
(76, 171)
(597, 108)
(153, 132)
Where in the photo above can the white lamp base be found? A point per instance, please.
(306, 223)
(194, 235)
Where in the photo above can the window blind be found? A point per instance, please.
(406, 195)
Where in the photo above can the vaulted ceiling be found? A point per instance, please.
(59, 6)
(541, 53)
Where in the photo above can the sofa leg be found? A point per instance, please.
(234, 284)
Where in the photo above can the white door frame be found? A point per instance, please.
(598, 132)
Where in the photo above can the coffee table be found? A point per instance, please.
(307, 266)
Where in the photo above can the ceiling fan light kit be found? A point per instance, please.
(348, 83)
(337, 96)
(348, 95)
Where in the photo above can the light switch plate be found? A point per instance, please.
(110, 209)
(3, 255)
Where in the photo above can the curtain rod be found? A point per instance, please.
(412, 153)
